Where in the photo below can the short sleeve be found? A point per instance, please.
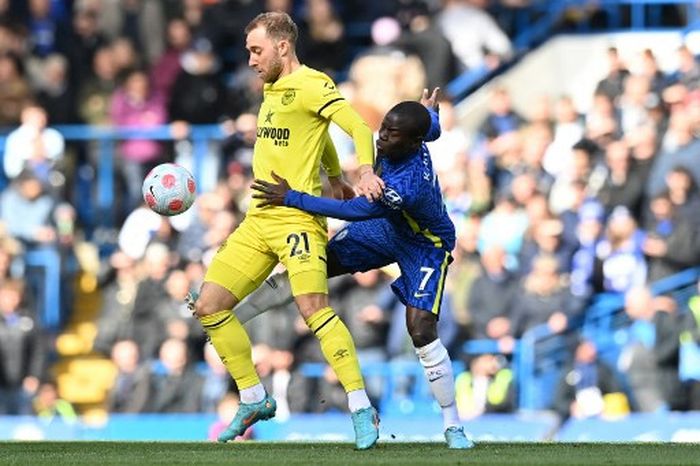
(321, 96)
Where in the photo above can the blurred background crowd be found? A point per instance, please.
(551, 207)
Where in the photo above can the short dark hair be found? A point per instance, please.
(278, 25)
(414, 116)
(586, 145)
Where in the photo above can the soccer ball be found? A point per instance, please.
(169, 189)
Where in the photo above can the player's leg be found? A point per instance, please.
(237, 268)
(420, 288)
(303, 252)
(276, 291)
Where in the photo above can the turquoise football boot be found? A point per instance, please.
(247, 415)
(366, 424)
(190, 299)
(456, 440)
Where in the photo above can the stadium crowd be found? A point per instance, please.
(551, 207)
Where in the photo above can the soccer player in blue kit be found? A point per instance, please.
(408, 225)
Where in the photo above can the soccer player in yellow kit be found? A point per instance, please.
(292, 141)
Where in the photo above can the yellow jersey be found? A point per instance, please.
(292, 131)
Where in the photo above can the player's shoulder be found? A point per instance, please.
(311, 78)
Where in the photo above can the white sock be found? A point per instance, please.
(254, 394)
(357, 400)
(438, 369)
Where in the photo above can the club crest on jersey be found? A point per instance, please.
(288, 97)
(341, 235)
(392, 199)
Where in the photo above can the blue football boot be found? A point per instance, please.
(456, 440)
(247, 415)
(366, 424)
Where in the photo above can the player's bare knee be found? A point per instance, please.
(422, 327)
(422, 336)
(204, 308)
(309, 304)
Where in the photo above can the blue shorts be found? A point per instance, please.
(372, 244)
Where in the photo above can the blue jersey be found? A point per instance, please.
(409, 225)
(412, 200)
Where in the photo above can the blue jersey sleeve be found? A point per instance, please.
(358, 208)
(434, 131)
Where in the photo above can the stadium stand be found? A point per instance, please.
(565, 185)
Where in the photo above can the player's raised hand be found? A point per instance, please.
(271, 193)
(340, 188)
(370, 185)
(430, 101)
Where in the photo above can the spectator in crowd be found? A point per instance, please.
(215, 384)
(622, 185)
(504, 226)
(33, 146)
(620, 262)
(463, 273)
(356, 297)
(95, 93)
(149, 327)
(423, 37)
(131, 389)
(502, 118)
(492, 296)
(486, 388)
(404, 75)
(56, 93)
(175, 387)
(613, 84)
(176, 318)
(141, 228)
(690, 339)
(543, 299)
(142, 22)
(48, 405)
(688, 71)
(322, 43)
(15, 93)
(671, 244)
(684, 195)
(639, 359)
(47, 33)
(166, 69)
(85, 40)
(668, 325)
(452, 145)
(568, 130)
(26, 210)
(588, 387)
(583, 263)
(118, 291)
(679, 149)
(476, 39)
(22, 351)
(137, 104)
(198, 87)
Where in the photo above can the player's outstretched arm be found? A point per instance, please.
(280, 194)
(370, 185)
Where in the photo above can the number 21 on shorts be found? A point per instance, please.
(295, 241)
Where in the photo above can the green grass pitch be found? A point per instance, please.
(262, 453)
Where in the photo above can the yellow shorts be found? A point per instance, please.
(250, 253)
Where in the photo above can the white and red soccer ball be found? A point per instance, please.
(169, 189)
